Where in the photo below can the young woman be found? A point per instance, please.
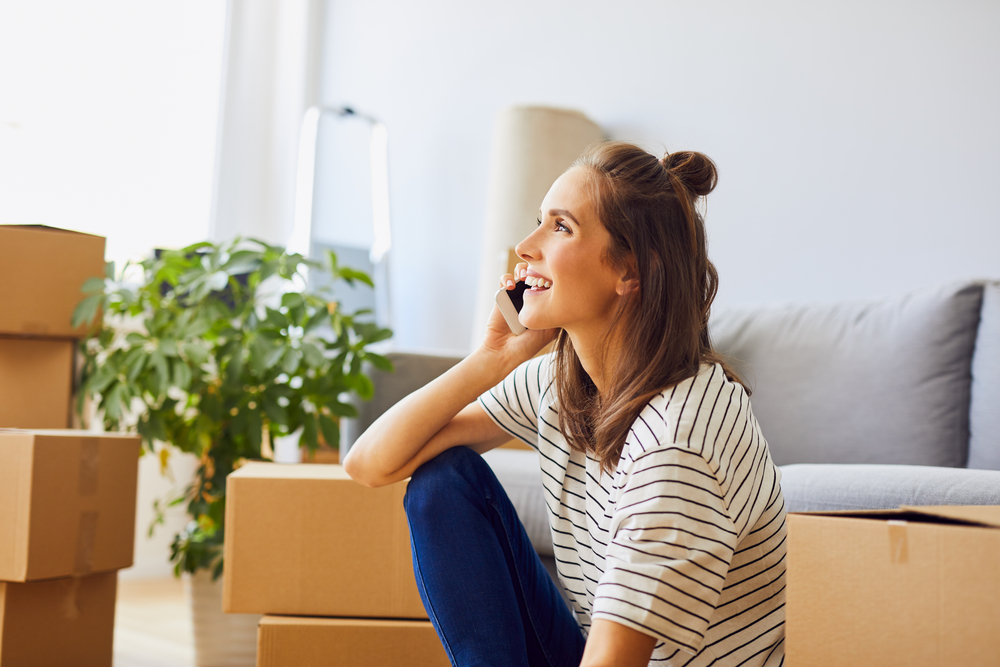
(667, 517)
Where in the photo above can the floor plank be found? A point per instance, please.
(153, 624)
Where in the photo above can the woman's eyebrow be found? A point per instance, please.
(564, 213)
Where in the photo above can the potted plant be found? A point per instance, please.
(217, 351)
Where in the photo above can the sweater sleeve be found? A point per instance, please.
(671, 547)
(514, 403)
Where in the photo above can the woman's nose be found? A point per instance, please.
(527, 249)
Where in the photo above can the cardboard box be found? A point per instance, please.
(36, 383)
(347, 642)
(41, 272)
(66, 621)
(915, 586)
(307, 540)
(67, 503)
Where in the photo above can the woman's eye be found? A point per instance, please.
(539, 222)
(562, 227)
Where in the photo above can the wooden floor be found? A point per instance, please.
(153, 624)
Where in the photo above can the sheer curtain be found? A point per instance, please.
(271, 77)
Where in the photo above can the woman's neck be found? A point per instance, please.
(596, 352)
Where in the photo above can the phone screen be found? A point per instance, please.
(517, 295)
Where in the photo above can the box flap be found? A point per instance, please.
(267, 470)
(66, 432)
(985, 515)
(969, 515)
(47, 228)
(276, 620)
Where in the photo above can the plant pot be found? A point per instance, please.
(220, 639)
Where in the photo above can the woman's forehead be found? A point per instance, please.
(573, 193)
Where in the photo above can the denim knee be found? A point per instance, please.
(442, 480)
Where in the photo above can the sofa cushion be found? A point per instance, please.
(984, 415)
(883, 381)
(812, 488)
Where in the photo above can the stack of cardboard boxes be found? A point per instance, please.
(67, 524)
(328, 563)
(67, 498)
(42, 270)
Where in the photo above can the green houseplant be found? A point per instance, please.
(216, 351)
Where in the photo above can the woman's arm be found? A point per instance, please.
(429, 421)
(611, 644)
(443, 414)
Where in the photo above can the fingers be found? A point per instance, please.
(507, 280)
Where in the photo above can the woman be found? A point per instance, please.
(666, 513)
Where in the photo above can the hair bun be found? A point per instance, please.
(694, 170)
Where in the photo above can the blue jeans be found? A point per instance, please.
(485, 590)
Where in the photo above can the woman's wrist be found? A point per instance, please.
(492, 366)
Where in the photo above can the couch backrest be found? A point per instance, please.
(984, 414)
(884, 381)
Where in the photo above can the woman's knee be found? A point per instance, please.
(444, 479)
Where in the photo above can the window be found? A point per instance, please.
(108, 114)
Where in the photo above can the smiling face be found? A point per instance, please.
(567, 250)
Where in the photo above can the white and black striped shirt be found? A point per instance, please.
(686, 542)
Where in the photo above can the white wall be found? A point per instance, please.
(858, 143)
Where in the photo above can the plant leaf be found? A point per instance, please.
(330, 430)
(290, 362)
(309, 435)
(364, 387)
(274, 412)
(379, 362)
(162, 372)
(182, 374)
(313, 356)
(254, 431)
(342, 409)
(93, 285)
(86, 310)
(196, 353)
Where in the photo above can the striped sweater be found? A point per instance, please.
(686, 540)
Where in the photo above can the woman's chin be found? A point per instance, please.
(533, 321)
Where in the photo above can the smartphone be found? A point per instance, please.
(510, 302)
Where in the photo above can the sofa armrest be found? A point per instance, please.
(825, 487)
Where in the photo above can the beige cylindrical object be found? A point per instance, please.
(220, 639)
(532, 147)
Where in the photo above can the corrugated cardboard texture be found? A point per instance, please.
(41, 272)
(36, 383)
(307, 540)
(893, 588)
(58, 622)
(67, 503)
(347, 642)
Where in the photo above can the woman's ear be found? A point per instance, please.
(627, 285)
(628, 282)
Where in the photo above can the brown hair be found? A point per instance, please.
(648, 207)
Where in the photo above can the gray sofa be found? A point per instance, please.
(865, 405)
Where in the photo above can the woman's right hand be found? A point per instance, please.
(499, 340)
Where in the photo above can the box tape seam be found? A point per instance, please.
(85, 537)
(71, 603)
(898, 543)
(87, 485)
